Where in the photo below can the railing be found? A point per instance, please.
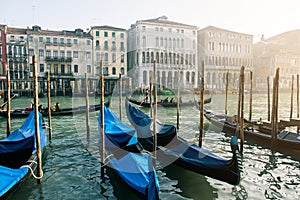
(58, 59)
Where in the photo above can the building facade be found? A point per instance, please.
(66, 55)
(110, 47)
(221, 51)
(174, 47)
(280, 51)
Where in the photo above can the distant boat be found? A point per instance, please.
(171, 147)
(166, 103)
(61, 112)
(126, 157)
(16, 152)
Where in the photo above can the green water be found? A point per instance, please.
(71, 163)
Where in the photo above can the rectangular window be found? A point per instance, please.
(42, 68)
(88, 54)
(105, 34)
(31, 52)
(54, 40)
(48, 53)
(97, 33)
(41, 52)
(48, 41)
(30, 38)
(75, 41)
(55, 54)
(88, 42)
(48, 67)
(69, 54)
(88, 67)
(69, 69)
(76, 68)
(62, 69)
(75, 54)
(68, 41)
(40, 39)
(122, 35)
(113, 34)
(62, 54)
(56, 68)
(62, 41)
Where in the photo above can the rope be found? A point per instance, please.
(31, 170)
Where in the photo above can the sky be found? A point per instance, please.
(255, 17)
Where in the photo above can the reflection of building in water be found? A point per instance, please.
(171, 44)
(223, 51)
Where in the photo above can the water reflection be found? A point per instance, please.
(72, 167)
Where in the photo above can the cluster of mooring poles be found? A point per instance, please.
(36, 114)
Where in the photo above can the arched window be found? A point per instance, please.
(106, 45)
(97, 43)
(113, 46)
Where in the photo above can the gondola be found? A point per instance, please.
(172, 149)
(17, 155)
(61, 112)
(125, 155)
(165, 103)
(286, 142)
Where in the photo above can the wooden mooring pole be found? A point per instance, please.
(226, 93)
(298, 112)
(87, 116)
(269, 101)
(242, 87)
(250, 97)
(8, 102)
(201, 102)
(49, 105)
(102, 119)
(36, 114)
(120, 95)
(292, 98)
(274, 119)
(178, 101)
(154, 110)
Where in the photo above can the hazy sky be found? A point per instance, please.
(268, 17)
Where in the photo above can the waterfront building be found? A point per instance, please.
(14, 56)
(221, 51)
(109, 46)
(67, 55)
(174, 47)
(280, 51)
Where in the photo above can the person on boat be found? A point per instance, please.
(40, 108)
(166, 100)
(55, 107)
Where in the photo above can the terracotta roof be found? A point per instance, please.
(36, 30)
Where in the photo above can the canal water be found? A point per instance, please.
(71, 162)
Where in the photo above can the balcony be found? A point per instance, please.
(58, 59)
